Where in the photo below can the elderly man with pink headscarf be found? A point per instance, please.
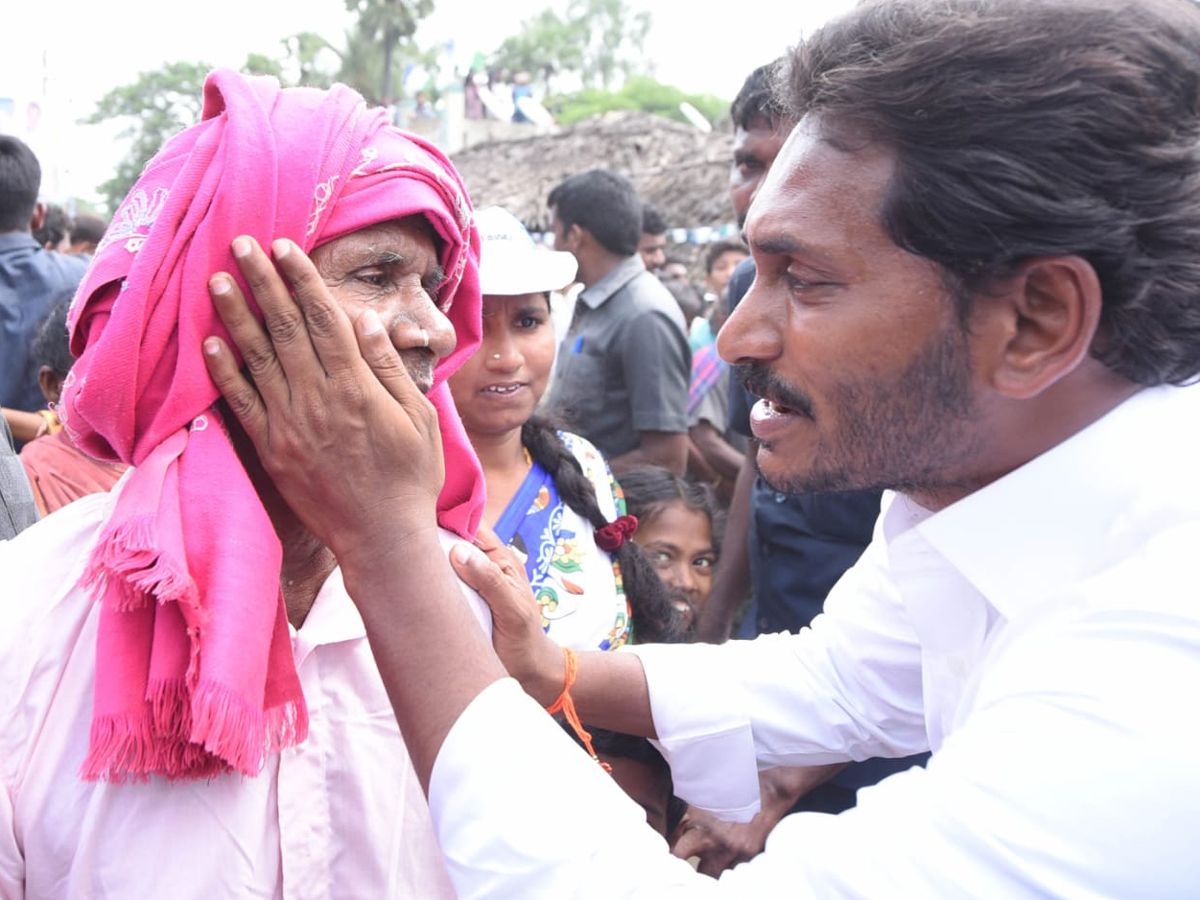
(191, 708)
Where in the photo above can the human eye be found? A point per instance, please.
(373, 276)
(704, 564)
(747, 164)
(529, 322)
(661, 558)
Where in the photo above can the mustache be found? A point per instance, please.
(760, 381)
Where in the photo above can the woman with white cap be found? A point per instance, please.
(550, 495)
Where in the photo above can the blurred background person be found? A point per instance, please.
(550, 494)
(622, 373)
(653, 244)
(32, 279)
(59, 472)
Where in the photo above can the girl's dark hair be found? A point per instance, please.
(51, 346)
(654, 619)
(649, 488)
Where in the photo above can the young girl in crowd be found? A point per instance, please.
(550, 496)
(678, 530)
(58, 471)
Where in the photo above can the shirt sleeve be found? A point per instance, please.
(847, 688)
(1032, 797)
(657, 363)
(513, 825)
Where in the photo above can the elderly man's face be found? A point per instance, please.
(853, 342)
(393, 269)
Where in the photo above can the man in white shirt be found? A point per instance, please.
(977, 287)
(120, 781)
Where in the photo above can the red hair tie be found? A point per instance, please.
(616, 533)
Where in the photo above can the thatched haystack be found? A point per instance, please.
(675, 167)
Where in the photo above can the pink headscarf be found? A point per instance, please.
(194, 669)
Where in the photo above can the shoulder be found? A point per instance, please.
(583, 450)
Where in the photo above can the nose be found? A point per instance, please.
(501, 353)
(752, 331)
(424, 320)
(685, 580)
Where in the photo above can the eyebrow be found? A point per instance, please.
(786, 245)
(391, 258)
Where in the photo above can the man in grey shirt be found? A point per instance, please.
(623, 368)
(17, 508)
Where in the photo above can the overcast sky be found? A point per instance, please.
(72, 51)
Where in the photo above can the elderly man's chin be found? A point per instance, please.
(420, 370)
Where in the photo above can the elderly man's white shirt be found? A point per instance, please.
(1042, 636)
(342, 815)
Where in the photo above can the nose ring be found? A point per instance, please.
(424, 338)
(495, 356)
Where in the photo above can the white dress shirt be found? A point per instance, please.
(340, 816)
(1041, 636)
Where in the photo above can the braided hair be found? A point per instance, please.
(651, 613)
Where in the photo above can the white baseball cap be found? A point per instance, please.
(511, 263)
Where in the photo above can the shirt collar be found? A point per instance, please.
(1071, 511)
(333, 617)
(623, 273)
(11, 240)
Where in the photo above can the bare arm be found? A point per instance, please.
(656, 448)
(724, 459)
(26, 426)
(731, 583)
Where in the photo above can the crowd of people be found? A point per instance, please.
(357, 545)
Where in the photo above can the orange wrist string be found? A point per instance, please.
(566, 705)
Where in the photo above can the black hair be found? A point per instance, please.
(603, 202)
(51, 346)
(85, 228)
(649, 488)
(720, 248)
(56, 225)
(20, 180)
(652, 220)
(755, 104)
(1027, 128)
(653, 618)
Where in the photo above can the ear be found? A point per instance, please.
(1047, 315)
(38, 218)
(51, 384)
(574, 237)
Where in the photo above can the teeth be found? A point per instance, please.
(502, 389)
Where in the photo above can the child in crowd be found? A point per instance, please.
(678, 528)
(59, 472)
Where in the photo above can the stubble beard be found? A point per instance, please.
(911, 434)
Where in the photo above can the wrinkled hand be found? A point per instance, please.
(721, 845)
(340, 427)
(528, 653)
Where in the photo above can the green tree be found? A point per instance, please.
(598, 40)
(638, 92)
(383, 23)
(156, 106)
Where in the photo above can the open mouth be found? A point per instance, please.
(502, 388)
